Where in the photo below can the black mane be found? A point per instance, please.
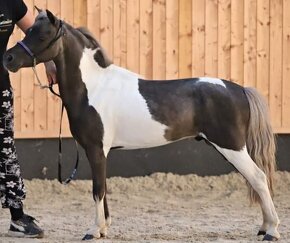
(100, 56)
(89, 35)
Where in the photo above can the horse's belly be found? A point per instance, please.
(140, 134)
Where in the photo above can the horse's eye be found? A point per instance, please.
(42, 38)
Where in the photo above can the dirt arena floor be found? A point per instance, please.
(158, 208)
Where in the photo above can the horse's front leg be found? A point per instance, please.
(97, 161)
(107, 215)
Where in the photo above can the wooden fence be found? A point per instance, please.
(246, 41)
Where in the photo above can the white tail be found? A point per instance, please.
(261, 142)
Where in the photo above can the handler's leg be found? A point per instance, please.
(12, 190)
(12, 187)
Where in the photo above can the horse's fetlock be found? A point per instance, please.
(264, 227)
(276, 221)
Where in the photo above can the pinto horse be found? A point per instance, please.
(109, 106)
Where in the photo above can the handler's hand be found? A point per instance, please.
(50, 69)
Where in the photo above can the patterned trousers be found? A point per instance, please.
(12, 190)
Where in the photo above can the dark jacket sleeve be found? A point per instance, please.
(19, 10)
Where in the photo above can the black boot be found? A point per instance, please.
(25, 227)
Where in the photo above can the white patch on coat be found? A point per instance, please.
(114, 93)
(216, 81)
(100, 214)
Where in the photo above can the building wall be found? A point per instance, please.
(246, 41)
(183, 157)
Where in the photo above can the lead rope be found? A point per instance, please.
(37, 78)
(59, 137)
(60, 150)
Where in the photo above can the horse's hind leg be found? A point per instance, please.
(98, 165)
(242, 161)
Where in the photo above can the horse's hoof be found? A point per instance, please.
(88, 237)
(261, 232)
(270, 238)
(103, 233)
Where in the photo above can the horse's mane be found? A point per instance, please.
(100, 56)
(89, 35)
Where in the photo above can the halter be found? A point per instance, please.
(59, 34)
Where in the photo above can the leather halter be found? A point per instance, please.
(59, 34)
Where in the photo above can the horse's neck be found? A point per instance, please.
(67, 63)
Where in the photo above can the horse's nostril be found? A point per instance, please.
(9, 58)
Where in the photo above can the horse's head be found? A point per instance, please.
(41, 43)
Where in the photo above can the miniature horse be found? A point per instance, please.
(109, 106)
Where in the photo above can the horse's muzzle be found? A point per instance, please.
(10, 62)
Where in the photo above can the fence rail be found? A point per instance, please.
(246, 41)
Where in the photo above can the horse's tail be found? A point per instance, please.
(261, 143)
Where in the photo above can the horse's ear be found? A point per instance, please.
(38, 9)
(51, 17)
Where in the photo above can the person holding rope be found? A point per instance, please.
(12, 190)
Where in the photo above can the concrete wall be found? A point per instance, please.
(38, 159)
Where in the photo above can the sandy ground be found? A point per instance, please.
(158, 208)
